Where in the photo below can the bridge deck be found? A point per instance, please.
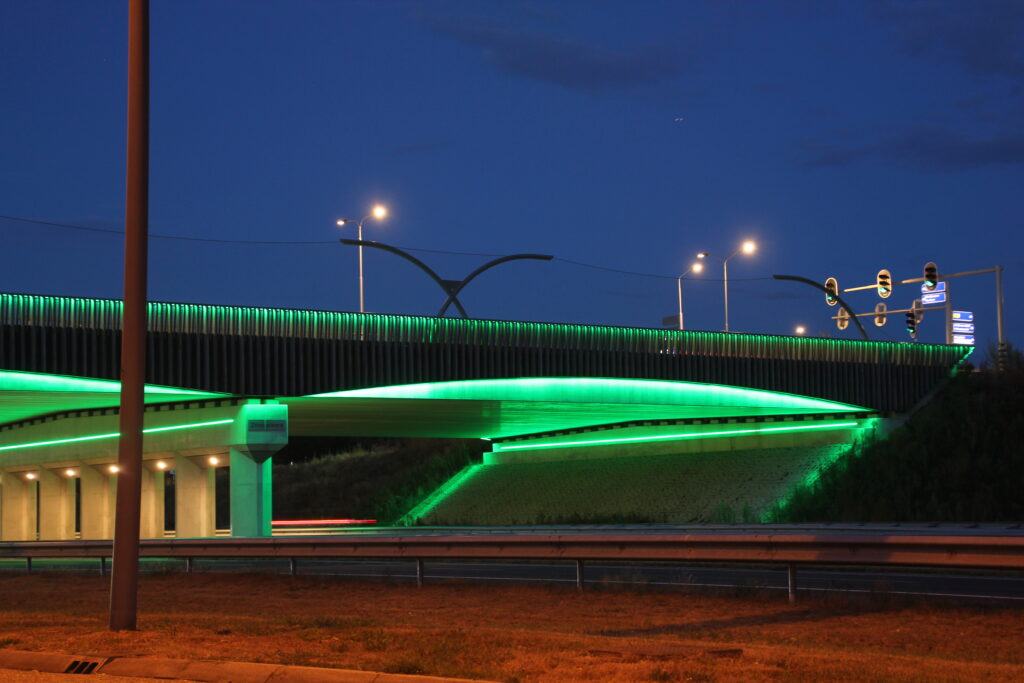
(283, 352)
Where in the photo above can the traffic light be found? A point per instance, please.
(931, 276)
(884, 281)
(912, 324)
(831, 291)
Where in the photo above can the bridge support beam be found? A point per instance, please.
(56, 506)
(17, 507)
(251, 495)
(98, 489)
(194, 498)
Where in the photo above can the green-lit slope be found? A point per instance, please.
(958, 459)
(682, 489)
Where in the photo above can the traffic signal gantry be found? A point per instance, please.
(930, 282)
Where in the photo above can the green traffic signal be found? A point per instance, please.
(831, 291)
(931, 275)
(884, 283)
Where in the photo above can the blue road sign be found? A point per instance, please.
(929, 298)
(963, 328)
(964, 316)
(939, 287)
(967, 339)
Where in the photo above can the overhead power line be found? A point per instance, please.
(308, 243)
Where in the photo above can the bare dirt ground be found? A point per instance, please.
(517, 633)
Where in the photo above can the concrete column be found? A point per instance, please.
(151, 522)
(56, 506)
(19, 507)
(194, 502)
(98, 489)
(251, 495)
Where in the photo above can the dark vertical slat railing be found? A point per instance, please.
(284, 352)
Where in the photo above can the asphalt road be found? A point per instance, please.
(1005, 588)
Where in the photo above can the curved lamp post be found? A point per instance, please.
(695, 268)
(748, 247)
(812, 283)
(379, 212)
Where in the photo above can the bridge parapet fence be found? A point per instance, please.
(293, 352)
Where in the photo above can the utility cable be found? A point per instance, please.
(294, 243)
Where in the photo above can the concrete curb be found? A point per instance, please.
(205, 671)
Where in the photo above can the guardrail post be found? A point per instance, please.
(419, 573)
(579, 575)
(188, 565)
(791, 570)
(103, 566)
(293, 566)
(28, 565)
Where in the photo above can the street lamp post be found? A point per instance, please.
(695, 268)
(748, 247)
(379, 212)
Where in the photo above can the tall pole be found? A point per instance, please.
(679, 284)
(361, 309)
(1001, 347)
(124, 576)
(725, 282)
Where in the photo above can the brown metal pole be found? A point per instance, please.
(124, 575)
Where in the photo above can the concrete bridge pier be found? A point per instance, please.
(251, 495)
(195, 495)
(97, 492)
(98, 489)
(17, 506)
(56, 505)
(151, 521)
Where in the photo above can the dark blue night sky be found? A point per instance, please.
(843, 137)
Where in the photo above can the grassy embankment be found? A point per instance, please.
(377, 479)
(684, 488)
(959, 459)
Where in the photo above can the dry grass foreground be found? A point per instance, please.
(515, 633)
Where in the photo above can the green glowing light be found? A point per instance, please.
(428, 504)
(35, 310)
(602, 391)
(58, 441)
(35, 381)
(194, 425)
(674, 437)
(114, 435)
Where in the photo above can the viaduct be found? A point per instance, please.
(228, 386)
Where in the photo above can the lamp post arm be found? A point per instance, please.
(454, 293)
(416, 262)
(812, 283)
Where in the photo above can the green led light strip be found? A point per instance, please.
(666, 437)
(114, 435)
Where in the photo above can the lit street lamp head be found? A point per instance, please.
(697, 267)
(380, 211)
(800, 330)
(342, 221)
(749, 247)
(703, 255)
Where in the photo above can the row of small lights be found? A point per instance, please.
(161, 465)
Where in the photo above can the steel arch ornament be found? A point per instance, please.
(450, 287)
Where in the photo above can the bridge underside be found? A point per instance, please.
(58, 436)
